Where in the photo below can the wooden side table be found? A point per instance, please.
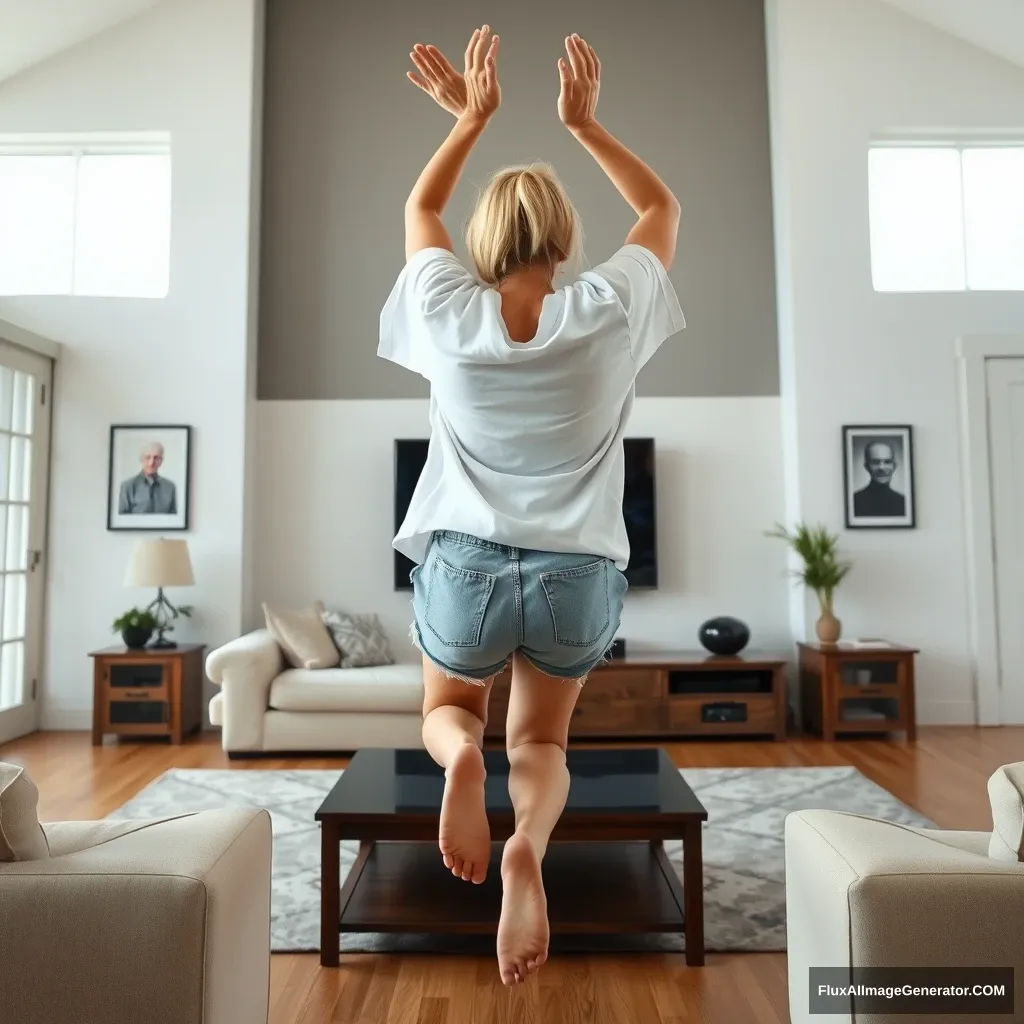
(852, 689)
(147, 692)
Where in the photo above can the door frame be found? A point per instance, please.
(973, 354)
(40, 348)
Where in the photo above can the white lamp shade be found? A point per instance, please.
(159, 563)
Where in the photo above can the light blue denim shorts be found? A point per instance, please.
(475, 602)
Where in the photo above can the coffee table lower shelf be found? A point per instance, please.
(592, 888)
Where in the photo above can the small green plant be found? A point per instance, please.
(135, 618)
(822, 571)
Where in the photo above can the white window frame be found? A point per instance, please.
(79, 144)
(960, 142)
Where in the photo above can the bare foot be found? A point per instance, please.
(465, 835)
(523, 930)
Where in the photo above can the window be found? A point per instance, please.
(85, 217)
(946, 218)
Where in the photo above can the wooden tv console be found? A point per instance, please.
(671, 694)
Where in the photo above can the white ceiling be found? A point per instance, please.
(32, 30)
(994, 25)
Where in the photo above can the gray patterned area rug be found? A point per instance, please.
(744, 865)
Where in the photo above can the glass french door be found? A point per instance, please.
(26, 380)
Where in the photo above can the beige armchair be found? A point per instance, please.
(116, 922)
(861, 892)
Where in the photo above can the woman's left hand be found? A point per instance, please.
(475, 93)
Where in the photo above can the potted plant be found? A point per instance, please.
(136, 627)
(822, 571)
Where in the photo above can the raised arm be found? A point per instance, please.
(472, 99)
(657, 209)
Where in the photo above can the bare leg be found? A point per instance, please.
(536, 735)
(454, 716)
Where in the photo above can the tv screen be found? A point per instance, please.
(638, 507)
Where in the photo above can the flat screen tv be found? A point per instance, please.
(638, 507)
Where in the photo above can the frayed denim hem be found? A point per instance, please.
(414, 635)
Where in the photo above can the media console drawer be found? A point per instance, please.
(680, 694)
(722, 712)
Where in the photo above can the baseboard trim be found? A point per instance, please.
(66, 719)
(945, 712)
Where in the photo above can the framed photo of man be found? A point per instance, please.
(878, 477)
(149, 478)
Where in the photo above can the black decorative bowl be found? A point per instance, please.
(724, 635)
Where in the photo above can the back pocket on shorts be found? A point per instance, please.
(579, 603)
(454, 602)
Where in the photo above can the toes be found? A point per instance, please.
(508, 974)
(467, 871)
(448, 861)
(479, 873)
(457, 866)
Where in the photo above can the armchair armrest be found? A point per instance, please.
(864, 892)
(244, 668)
(171, 920)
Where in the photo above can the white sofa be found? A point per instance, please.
(861, 892)
(165, 921)
(266, 706)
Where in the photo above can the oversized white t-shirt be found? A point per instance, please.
(526, 437)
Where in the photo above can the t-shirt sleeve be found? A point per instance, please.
(427, 285)
(648, 297)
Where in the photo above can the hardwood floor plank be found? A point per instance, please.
(381, 992)
(942, 775)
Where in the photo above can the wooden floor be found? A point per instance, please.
(942, 775)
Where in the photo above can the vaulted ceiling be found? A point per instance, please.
(32, 30)
(994, 25)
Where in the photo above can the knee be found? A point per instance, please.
(473, 704)
(515, 742)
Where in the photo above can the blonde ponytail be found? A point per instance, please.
(522, 218)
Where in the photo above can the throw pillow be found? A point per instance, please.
(21, 835)
(1006, 795)
(302, 636)
(360, 639)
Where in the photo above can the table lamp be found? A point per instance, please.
(161, 563)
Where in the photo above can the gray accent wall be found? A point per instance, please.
(346, 135)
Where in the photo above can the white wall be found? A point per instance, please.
(325, 514)
(842, 71)
(186, 67)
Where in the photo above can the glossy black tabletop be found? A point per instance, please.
(407, 783)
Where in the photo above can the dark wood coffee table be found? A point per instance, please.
(606, 870)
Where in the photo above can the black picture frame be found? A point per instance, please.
(172, 496)
(882, 497)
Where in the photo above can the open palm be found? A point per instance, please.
(476, 92)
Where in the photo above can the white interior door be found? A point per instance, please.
(1005, 385)
(26, 380)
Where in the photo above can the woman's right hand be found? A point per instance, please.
(580, 77)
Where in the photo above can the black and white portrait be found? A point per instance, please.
(148, 483)
(878, 477)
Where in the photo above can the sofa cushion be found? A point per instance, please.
(21, 835)
(1006, 795)
(302, 636)
(390, 688)
(360, 639)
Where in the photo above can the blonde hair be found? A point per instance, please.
(523, 217)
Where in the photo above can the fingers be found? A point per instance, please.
(441, 60)
(564, 74)
(416, 80)
(423, 65)
(429, 56)
(471, 48)
(572, 48)
(491, 64)
(481, 47)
